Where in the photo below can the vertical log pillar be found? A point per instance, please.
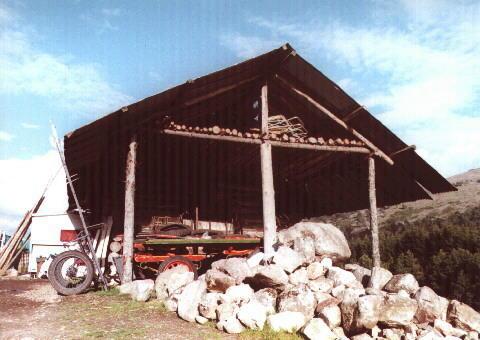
(128, 233)
(373, 212)
(268, 192)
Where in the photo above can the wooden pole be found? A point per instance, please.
(317, 147)
(373, 212)
(268, 192)
(128, 232)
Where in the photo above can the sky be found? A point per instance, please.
(414, 64)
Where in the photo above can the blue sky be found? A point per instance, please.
(414, 64)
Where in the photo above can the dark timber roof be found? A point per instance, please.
(175, 174)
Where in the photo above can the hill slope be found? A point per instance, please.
(442, 206)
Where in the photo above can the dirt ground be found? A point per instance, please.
(31, 309)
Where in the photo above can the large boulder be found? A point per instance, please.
(325, 300)
(253, 315)
(218, 281)
(189, 300)
(237, 268)
(255, 259)
(208, 305)
(406, 282)
(288, 259)
(268, 298)
(430, 306)
(226, 310)
(271, 276)
(329, 240)
(171, 303)
(142, 289)
(317, 329)
(379, 278)
(341, 277)
(398, 310)
(463, 316)
(239, 294)
(369, 311)
(297, 299)
(169, 281)
(286, 321)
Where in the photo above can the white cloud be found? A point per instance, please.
(247, 46)
(30, 126)
(25, 69)
(24, 180)
(425, 75)
(103, 19)
(5, 136)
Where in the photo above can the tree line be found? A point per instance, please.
(442, 253)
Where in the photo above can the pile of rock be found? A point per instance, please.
(303, 289)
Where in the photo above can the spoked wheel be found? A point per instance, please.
(71, 272)
(176, 261)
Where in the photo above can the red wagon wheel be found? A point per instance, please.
(176, 261)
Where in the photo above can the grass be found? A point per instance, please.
(268, 334)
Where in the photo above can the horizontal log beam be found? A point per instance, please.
(330, 148)
(340, 122)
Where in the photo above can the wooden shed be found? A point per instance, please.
(199, 147)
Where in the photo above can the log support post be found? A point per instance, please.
(128, 233)
(268, 192)
(373, 212)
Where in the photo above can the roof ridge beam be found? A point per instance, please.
(337, 120)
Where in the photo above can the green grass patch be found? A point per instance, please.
(110, 292)
(268, 334)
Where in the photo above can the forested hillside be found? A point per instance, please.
(443, 253)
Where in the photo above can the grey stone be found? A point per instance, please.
(288, 259)
(142, 289)
(189, 300)
(430, 306)
(332, 315)
(233, 326)
(316, 329)
(271, 276)
(348, 306)
(218, 281)
(315, 270)
(297, 299)
(253, 315)
(239, 294)
(463, 316)
(237, 268)
(398, 311)
(321, 284)
(268, 298)
(286, 321)
(329, 240)
(405, 282)
(306, 247)
(447, 329)
(379, 278)
(169, 281)
(298, 276)
(362, 274)
(255, 260)
(201, 320)
(369, 311)
(208, 305)
(340, 276)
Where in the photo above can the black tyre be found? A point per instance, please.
(176, 261)
(71, 272)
